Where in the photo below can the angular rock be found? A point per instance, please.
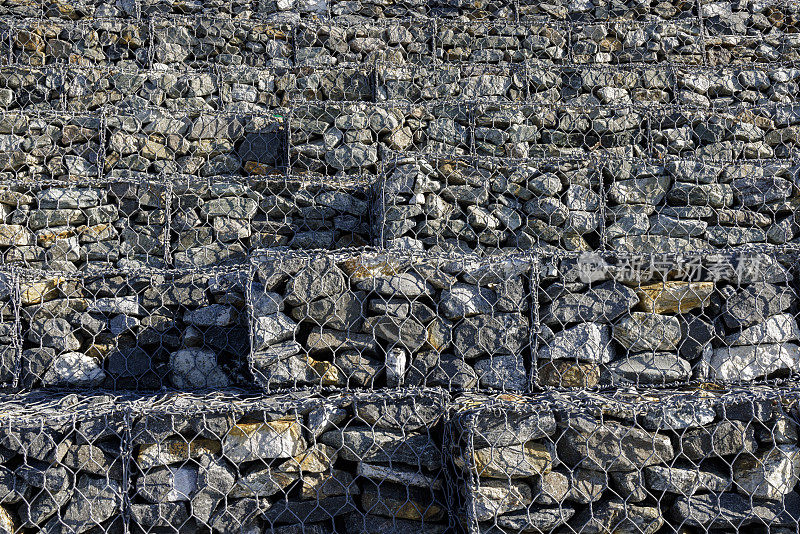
(588, 342)
(601, 304)
(642, 331)
(748, 362)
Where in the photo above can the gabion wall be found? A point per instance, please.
(399, 266)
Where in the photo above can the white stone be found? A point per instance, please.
(263, 441)
(396, 360)
(273, 329)
(197, 368)
(775, 329)
(749, 362)
(588, 342)
(74, 369)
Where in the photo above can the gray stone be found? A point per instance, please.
(723, 439)
(272, 329)
(611, 446)
(463, 300)
(720, 510)
(495, 498)
(409, 412)
(213, 315)
(748, 362)
(503, 372)
(642, 331)
(366, 444)
(74, 369)
(320, 278)
(56, 333)
(408, 284)
(167, 484)
(619, 516)
(197, 368)
(650, 368)
(685, 480)
(95, 498)
(340, 312)
(755, 303)
(768, 474)
(168, 514)
(492, 431)
(501, 333)
(601, 304)
(775, 329)
(215, 480)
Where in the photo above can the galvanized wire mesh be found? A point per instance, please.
(631, 461)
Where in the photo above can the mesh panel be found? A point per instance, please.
(384, 319)
(631, 461)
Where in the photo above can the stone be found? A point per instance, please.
(261, 481)
(197, 368)
(341, 312)
(173, 451)
(619, 516)
(502, 372)
(513, 428)
(213, 315)
(521, 460)
(495, 498)
(768, 474)
(500, 333)
(320, 278)
(56, 333)
(401, 502)
(351, 156)
(366, 444)
(95, 498)
(407, 334)
(259, 441)
(611, 446)
(91, 459)
(650, 368)
(409, 285)
(397, 476)
(568, 374)
(588, 342)
(272, 329)
(167, 514)
(167, 484)
(74, 369)
(755, 303)
(726, 438)
(685, 480)
(674, 296)
(215, 480)
(749, 362)
(720, 510)
(15, 235)
(116, 305)
(775, 329)
(696, 337)
(537, 519)
(307, 512)
(642, 331)
(600, 304)
(409, 412)
(463, 300)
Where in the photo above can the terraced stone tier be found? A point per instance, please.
(658, 320)
(133, 330)
(481, 205)
(377, 319)
(363, 463)
(644, 461)
(346, 463)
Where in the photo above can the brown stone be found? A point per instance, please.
(568, 373)
(674, 296)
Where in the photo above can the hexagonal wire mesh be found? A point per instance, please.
(639, 461)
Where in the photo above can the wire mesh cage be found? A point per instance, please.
(498, 42)
(602, 11)
(153, 142)
(376, 319)
(357, 463)
(484, 205)
(661, 319)
(62, 464)
(98, 223)
(342, 43)
(351, 138)
(121, 43)
(215, 221)
(630, 461)
(133, 331)
(693, 204)
(725, 88)
(415, 83)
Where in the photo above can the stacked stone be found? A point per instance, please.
(638, 461)
(126, 331)
(515, 164)
(717, 317)
(365, 462)
(386, 319)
